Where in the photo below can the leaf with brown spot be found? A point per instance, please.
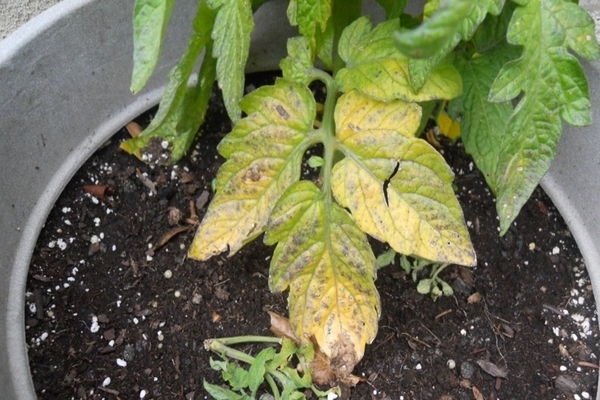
(326, 262)
(264, 155)
(397, 187)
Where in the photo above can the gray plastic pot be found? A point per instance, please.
(64, 80)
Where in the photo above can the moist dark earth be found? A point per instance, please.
(116, 310)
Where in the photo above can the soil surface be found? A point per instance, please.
(115, 310)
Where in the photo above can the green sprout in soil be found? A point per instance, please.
(269, 367)
(503, 73)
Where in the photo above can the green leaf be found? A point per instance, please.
(393, 8)
(237, 376)
(231, 33)
(329, 267)
(315, 162)
(311, 17)
(436, 32)
(376, 68)
(256, 373)
(421, 68)
(446, 289)
(150, 19)
(325, 44)
(554, 86)
(424, 286)
(483, 124)
(397, 187)
(182, 109)
(386, 258)
(219, 393)
(298, 65)
(264, 155)
(492, 31)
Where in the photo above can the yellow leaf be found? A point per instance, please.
(397, 187)
(329, 267)
(389, 79)
(448, 127)
(264, 153)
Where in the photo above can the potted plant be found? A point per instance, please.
(70, 111)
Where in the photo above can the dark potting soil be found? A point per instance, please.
(115, 310)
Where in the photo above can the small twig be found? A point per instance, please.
(431, 333)
(220, 283)
(443, 313)
(414, 339)
(145, 181)
(555, 310)
(588, 364)
(107, 390)
(496, 333)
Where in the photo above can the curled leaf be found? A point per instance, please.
(282, 327)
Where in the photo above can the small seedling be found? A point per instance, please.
(271, 367)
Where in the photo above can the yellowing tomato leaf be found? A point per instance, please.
(553, 86)
(329, 267)
(397, 187)
(264, 154)
(376, 68)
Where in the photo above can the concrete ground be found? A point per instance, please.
(14, 13)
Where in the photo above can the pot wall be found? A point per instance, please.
(65, 79)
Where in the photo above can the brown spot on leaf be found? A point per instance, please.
(282, 112)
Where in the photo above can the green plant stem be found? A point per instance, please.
(437, 269)
(246, 339)
(218, 346)
(328, 129)
(273, 386)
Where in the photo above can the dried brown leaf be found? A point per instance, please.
(187, 177)
(175, 215)
(170, 235)
(99, 191)
(281, 327)
(202, 199)
(134, 129)
(466, 275)
(477, 394)
(320, 369)
(474, 298)
(492, 369)
(507, 330)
